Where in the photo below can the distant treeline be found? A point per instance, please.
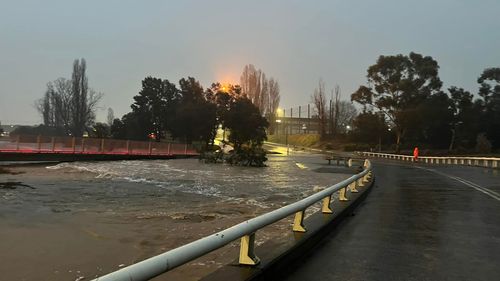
(405, 101)
(187, 112)
(403, 106)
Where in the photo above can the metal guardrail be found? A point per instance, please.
(488, 162)
(246, 230)
(73, 145)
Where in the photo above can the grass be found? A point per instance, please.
(306, 140)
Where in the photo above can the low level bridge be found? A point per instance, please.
(43, 148)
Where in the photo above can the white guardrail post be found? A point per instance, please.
(244, 231)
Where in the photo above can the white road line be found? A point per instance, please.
(477, 187)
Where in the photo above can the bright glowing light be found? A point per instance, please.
(280, 112)
(278, 120)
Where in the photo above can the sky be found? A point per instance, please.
(296, 42)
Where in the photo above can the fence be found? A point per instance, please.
(246, 230)
(45, 144)
(488, 162)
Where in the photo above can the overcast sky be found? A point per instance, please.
(297, 42)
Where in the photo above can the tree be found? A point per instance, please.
(111, 116)
(344, 116)
(466, 118)
(319, 102)
(490, 92)
(274, 96)
(222, 97)
(40, 130)
(340, 113)
(398, 85)
(196, 117)
(334, 110)
(70, 104)
(134, 127)
(153, 107)
(118, 129)
(84, 100)
(247, 126)
(44, 107)
(100, 130)
(370, 128)
(435, 121)
(490, 85)
(263, 92)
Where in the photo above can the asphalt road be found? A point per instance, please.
(420, 222)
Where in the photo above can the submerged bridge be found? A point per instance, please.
(43, 148)
(427, 220)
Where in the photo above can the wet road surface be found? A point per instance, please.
(420, 222)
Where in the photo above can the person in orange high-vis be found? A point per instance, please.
(415, 154)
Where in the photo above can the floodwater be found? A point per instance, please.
(76, 221)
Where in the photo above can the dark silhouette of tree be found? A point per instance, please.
(100, 130)
(70, 104)
(195, 116)
(247, 126)
(398, 84)
(134, 126)
(153, 107)
(490, 93)
(435, 120)
(84, 100)
(118, 129)
(466, 118)
(370, 128)
(55, 107)
(319, 102)
(110, 117)
(222, 97)
(273, 103)
(40, 130)
(263, 92)
(344, 115)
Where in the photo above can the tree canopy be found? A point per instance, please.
(398, 85)
(70, 104)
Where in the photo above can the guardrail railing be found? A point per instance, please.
(68, 145)
(245, 231)
(488, 162)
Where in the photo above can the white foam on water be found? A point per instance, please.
(248, 186)
(101, 171)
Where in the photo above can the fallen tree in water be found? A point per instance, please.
(253, 156)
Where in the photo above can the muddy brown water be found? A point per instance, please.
(77, 221)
